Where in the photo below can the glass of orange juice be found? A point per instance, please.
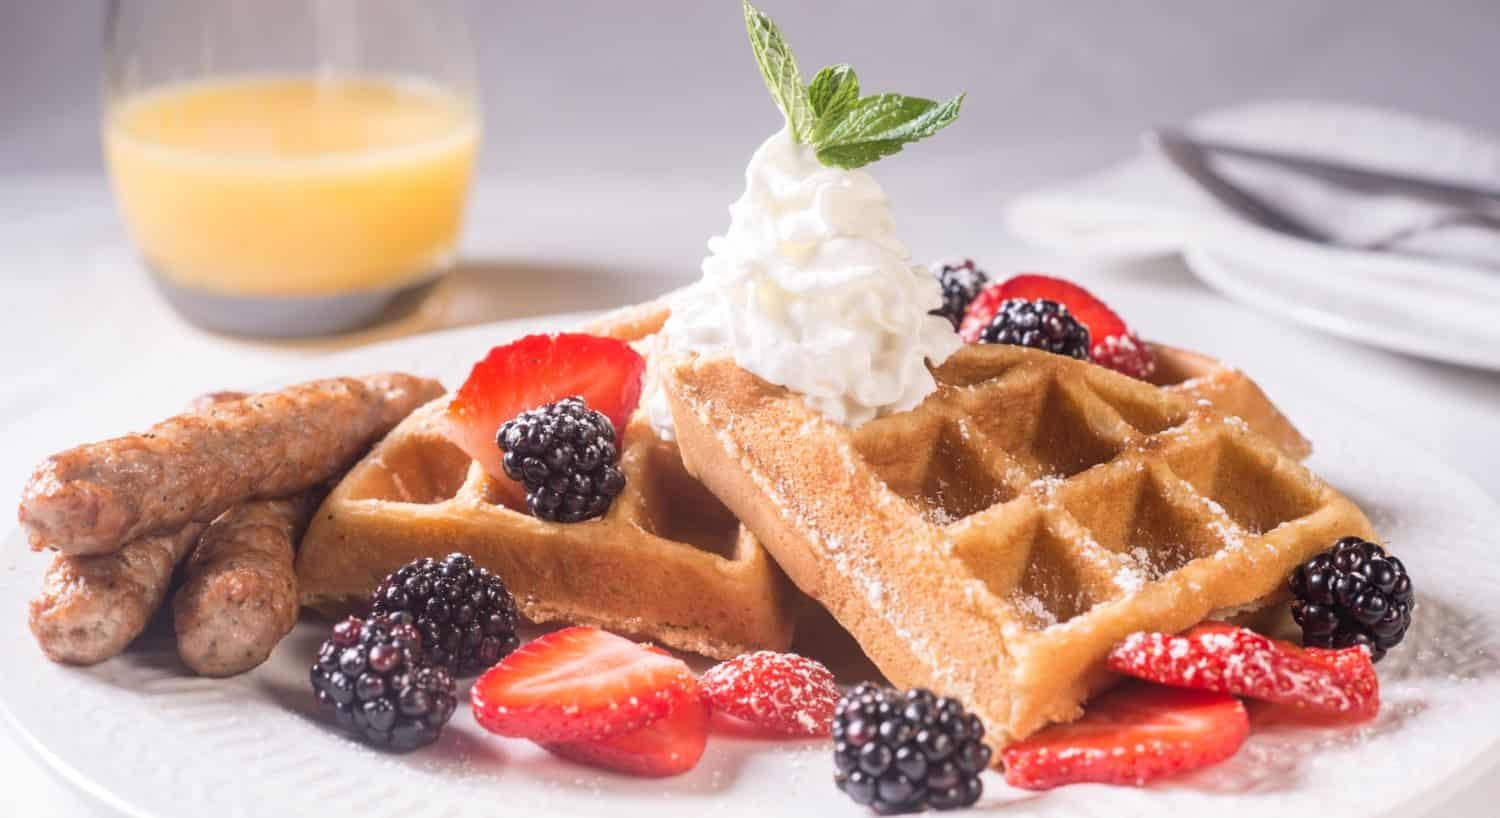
(288, 167)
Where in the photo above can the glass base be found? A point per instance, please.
(287, 316)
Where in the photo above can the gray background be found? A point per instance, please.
(588, 87)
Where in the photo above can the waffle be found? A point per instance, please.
(667, 562)
(996, 541)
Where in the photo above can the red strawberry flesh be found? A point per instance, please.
(1219, 657)
(670, 746)
(1131, 736)
(534, 371)
(780, 693)
(980, 312)
(580, 684)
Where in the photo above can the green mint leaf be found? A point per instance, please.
(832, 91)
(779, 69)
(878, 126)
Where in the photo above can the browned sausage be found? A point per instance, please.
(93, 499)
(91, 607)
(239, 591)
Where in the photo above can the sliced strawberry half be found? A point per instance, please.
(532, 372)
(1112, 343)
(1223, 658)
(780, 693)
(670, 746)
(581, 684)
(1131, 736)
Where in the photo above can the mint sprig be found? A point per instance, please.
(779, 69)
(844, 129)
(833, 91)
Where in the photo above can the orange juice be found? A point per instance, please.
(290, 186)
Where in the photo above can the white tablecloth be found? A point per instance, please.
(88, 350)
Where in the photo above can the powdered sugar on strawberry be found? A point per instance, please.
(1225, 659)
(780, 692)
(1124, 353)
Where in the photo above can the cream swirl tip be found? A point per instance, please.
(809, 288)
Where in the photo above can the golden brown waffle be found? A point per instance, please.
(667, 562)
(699, 582)
(996, 541)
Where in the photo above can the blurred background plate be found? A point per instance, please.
(1388, 301)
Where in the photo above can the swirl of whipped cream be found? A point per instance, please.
(810, 289)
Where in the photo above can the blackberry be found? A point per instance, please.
(1352, 594)
(372, 674)
(1040, 324)
(961, 282)
(466, 615)
(564, 454)
(903, 752)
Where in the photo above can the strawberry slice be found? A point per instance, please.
(581, 684)
(1132, 735)
(670, 746)
(1219, 657)
(1112, 343)
(780, 693)
(534, 371)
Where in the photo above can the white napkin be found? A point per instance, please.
(1146, 196)
(1438, 295)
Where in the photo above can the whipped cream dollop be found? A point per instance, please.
(810, 289)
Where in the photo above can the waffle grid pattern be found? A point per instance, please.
(666, 562)
(1044, 509)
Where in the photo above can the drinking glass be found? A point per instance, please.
(287, 167)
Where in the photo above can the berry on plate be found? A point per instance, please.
(779, 692)
(1353, 594)
(535, 371)
(466, 615)
(564, 454)
(899, 751)
(581, 684)
(1226, 659)
(371, 673)
(666, 747)
(1132, 735)
(1112, 343)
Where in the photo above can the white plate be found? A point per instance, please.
(1385, 300)
(143, 736)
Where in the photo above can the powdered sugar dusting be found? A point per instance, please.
(779, 691)
(851, 560)
(1233, 660)
(1034, 608)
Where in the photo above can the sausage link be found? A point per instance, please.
(95, 498)
(238, 597)
(91, 607)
